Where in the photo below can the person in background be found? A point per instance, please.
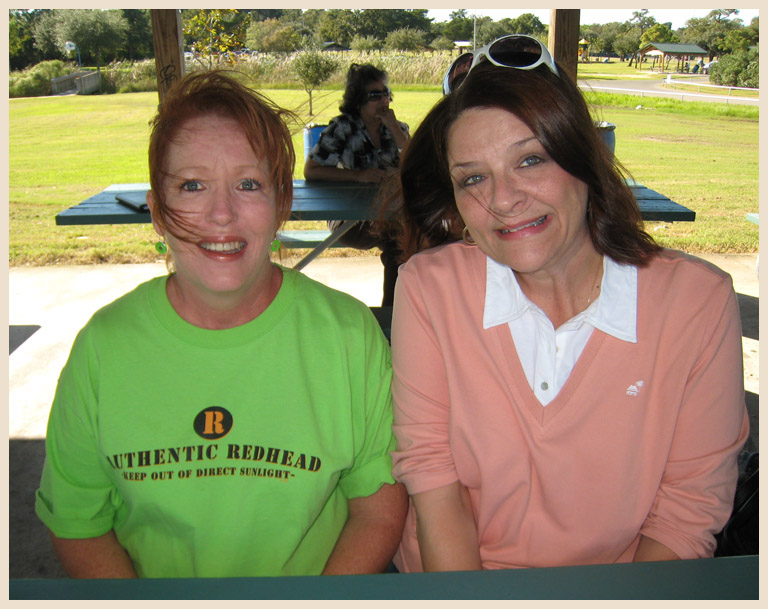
(363, 144)
(566, 391)
(233, 418)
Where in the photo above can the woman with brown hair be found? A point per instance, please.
(233, 418)
(363, 144)
(566, 391)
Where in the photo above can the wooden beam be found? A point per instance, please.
(564, 38)
(169, 41)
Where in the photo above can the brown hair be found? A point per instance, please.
(216, 92)
(553, 108)
(359, 76)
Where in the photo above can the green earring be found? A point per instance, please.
(275, 245)
(161, 247)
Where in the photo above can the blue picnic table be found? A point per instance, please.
(313, 200)
(710, 578)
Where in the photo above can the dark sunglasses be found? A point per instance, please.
(377, 94)
(512, 51)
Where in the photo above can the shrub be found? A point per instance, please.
(365, 43)
(732, 70)
(129, 77)
(750, 77)
(36, 81)
(404, 39)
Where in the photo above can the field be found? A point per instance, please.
(64, 149)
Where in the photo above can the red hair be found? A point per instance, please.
(217, 93)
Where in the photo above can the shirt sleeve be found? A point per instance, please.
(423, 460)
(695, 497)
(76, 498)
(331, 144)
(373, 440)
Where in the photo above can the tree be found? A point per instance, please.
(338, 25)
(21, 38)
(99, 34)
(273, 36)
(710, 32)
(313, 69)
(739, 40)
(404, 39)
(606, 37)
(627, 43)
(380, 22)
(46, 41)
(529, 24)
(459, 27)
(215, 34)
(139, 43)
(659, 32)
(642, 20)
(489, 30)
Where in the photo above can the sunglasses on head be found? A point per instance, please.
(377, 94)
(512, 51)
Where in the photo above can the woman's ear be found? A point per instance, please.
(151, 205)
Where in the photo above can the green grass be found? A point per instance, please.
(65, 149)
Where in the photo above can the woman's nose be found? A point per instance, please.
(222, 208)
(508, 198)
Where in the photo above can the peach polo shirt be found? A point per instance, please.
(642, 438)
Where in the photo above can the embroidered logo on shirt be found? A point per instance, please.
(634, 389)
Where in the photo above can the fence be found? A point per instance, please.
(82, 82)
(670, 82)
(682, 95)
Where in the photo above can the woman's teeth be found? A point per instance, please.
(229, 248)
(529, 225)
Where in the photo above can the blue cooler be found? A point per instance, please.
(311, 135)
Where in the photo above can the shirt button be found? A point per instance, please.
(545, 385)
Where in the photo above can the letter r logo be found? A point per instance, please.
(213, 423)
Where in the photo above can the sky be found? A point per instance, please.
(589, 16)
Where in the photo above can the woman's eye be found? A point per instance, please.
(471, 180)
(531, 160)
(250, 184)
(190, 186)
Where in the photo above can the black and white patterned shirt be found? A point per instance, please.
(346, 143)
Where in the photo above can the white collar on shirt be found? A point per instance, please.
(614, 312)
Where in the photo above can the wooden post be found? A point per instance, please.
(169, 56)
(564, 38)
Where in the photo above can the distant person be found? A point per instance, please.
(363, 144)
(232, 419)
(566, 391)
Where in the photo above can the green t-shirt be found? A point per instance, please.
(220, 453)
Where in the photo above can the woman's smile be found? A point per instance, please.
(228, 248)
(521, 227)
